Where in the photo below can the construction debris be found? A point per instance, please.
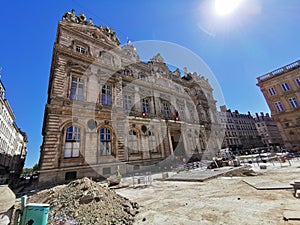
(241, 172)
(84, 201)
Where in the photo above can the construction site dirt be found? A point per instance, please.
(239, 196)
(230, 195)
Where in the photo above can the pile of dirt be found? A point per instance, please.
(84, 201)
(241, 172)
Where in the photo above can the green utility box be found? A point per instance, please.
(35, 213)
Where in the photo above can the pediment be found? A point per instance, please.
(77, 67)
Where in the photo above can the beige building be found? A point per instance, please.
(13, 143)
(241, 134)
(281, 89)
(268, 131)
(106, 109)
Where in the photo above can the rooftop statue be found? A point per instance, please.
(81, 19)
(157, 58)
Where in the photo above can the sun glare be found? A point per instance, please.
(226, 7)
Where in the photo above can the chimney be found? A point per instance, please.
(262, 116)
(223, 108)
(257, 117)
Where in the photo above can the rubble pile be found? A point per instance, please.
(241, 172)
(84, 201)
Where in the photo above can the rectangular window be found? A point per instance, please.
(132, 142)
(105, 142)
(152, 142)
(293, 102)
(298, 81)
(285, 87)
(106, 95)
(77, 87)
(272, 91)
(127, 102)
(181, 112)
(145, 106)
(80, 49)
(166, 109)
(279, 106)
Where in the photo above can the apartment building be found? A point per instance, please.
(281, 89)
(13, 143)
(240, 131)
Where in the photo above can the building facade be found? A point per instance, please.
(281, 89)
(12, 143)
(240, 131)
(106, 109)
(268, 131)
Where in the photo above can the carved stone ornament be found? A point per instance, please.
(157, 58)
(91, 124)
(81, 19)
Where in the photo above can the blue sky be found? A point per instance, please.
(260, 36)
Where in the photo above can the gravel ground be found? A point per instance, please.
(223, 200)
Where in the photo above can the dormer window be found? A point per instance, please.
(81, 49)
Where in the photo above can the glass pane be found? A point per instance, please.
(73, 93)
(76, 152)
(67, 151)
(107, 148)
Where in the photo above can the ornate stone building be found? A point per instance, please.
(281, 89)
(106, 109)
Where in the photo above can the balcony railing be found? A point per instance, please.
(279, 71)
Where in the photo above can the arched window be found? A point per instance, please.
(132, 142)
(72, 142)
(105, 141)
(152, 142)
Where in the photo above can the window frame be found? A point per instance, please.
(146, 105)
(152, 144)
(285, 87)
(279, 106)
(293, 102)
(105, 142)
(133, 142)
(167, 110)
(298, 81)
(106, 95)
(81, 49)
(77, 88)
(272, 91)
(127, 102)
(72, 142)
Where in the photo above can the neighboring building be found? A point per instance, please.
(107, 109)
(281, 89)
(268, 130)
(12, 143)
(240, 131)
